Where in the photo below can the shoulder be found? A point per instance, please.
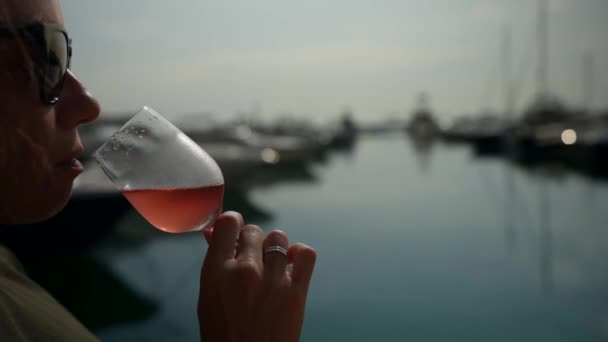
(28, 312)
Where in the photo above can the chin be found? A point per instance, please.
(42, 214)
(57, 203)
(44, 207)
(35, 194)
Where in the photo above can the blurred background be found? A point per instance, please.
(447, 160)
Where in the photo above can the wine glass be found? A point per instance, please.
(168, 178)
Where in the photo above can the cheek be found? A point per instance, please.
(26, 139)
(31, 188)
(32, 191)
(28, 180)
(18, 83)
(24, 161)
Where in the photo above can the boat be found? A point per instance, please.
(344, 134)
(459, 131)
(486, 134)
(291, 150)
(422, 124)
(387, 127)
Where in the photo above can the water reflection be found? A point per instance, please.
(423, 148)
(509, 212)
(546, 238)
(467, 242)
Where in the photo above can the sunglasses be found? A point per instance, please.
(51, 58)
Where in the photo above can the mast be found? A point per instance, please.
(509, 226)
(588, 81)
(507, 78)
(546, 236)
(543, 48)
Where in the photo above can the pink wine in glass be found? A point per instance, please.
(178, 210)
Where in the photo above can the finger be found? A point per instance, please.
(250, 244)
(225, 231)
(303, 259)
(275, 262)
(208, 234)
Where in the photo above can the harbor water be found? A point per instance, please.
(415, 242)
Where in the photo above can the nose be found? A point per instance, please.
(76, 106)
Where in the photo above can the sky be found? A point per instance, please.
(316, 58)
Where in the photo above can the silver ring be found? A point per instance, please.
(277, 249)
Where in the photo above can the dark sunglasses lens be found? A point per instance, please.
(57, 64)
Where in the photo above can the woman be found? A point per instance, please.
(247, 297)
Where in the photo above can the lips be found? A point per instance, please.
(72, 165)
(70, 160)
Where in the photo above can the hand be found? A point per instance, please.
(246, 295)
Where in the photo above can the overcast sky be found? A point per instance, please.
(316, 57)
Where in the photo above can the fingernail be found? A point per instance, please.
(277, 238)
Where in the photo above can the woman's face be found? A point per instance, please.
(38, 141)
